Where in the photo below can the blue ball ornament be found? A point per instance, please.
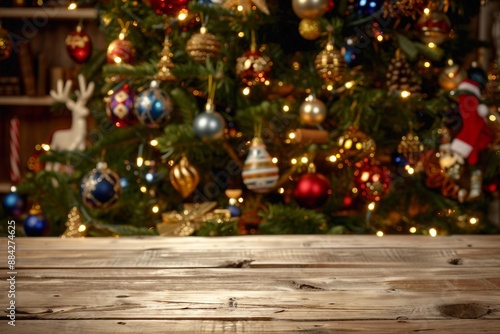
(35, 225)
(13, 204)
(153, 106)
(234, 210)
(100, 188)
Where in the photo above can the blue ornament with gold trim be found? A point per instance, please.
(100, 188)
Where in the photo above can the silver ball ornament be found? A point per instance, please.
(310, 9)
(209, 125)
(312, 111)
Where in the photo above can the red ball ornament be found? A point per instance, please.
(168, 7)
(312, 190)
(120, 107)
(434, 27)
(373, 181)
(253, 67)
(79, 45)
(120, 51)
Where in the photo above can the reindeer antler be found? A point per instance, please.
(82, 95)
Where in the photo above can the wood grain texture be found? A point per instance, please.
(256, 284)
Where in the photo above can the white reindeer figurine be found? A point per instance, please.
(74, 137)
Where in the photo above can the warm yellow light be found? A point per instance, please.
(304, 160)
(332, 158)
(349, 84)
(143, 189)
(286, 108)
(267, 82)
(296, 66)
(348, 144)
(13, 189)
(427, 64)
(183, 14)
(413, 229)
(241, 34)
(117, 60)
(473, 220)
(371, 206)
(246, 90)
(293, 161)
(153, 142)
(82, 228)
(240, 8)
(410, 170)
(140, 161)
(281, 190)
(203, 30)
(292, 135)
(155, 209)
(275, 160)
(405, 94)
(492, 118)
(431, 45)
(240, 200)
(46, 147)
(72, 6)
(354, 190)
(427, 11)
(433, 232)
(380, 234)
(380, 38)
(329, 87)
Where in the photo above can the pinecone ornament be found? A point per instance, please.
(401, 77)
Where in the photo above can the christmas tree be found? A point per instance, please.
(254, 116)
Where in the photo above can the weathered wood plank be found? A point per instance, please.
(261, 241)
(132, 300)
(151, 326)
(393, 279)
(291, 257)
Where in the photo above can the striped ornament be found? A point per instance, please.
(15, 172)
(259, 174)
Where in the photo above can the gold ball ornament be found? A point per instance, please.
(310, 9)
(451, 76)
(330, 64)
(310, 29)
(203, 45)
(184, 177)
(312, 111)
(355, 145)
(6, 46)
(411, 148)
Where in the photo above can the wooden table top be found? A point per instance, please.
(253, 284)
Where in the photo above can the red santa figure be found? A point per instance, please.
(474, 136)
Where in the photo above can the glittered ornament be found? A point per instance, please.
(451, 76)
(330, 64)
(35, 224)
(434, 27)
(259, 173)
(78, 45)
(209, 125)
(372, 180)
(6, 46)
(411, 148)
(13, 204)
(100, 188)
(120, 51)
(165, 64)
(253, 67)
(168, 7)
(310, 9)
(184, 177)
(310, 29)
(202, 46)
(153, 106)
(312, 190)
(120, 107)
(312, 111)
(355, 144)
(74, 225)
